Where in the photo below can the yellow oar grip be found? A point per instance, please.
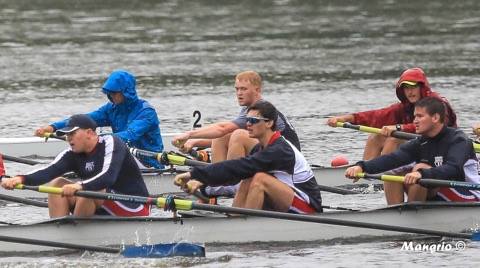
(42, 189)
(176, 160)
(370, 129)
(179, 204)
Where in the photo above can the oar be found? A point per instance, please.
(190, 205)
(144, 251)
(48, 135)
(432, 183)
(395, 133)
(167, 158)
(20, 160)
(25, 201)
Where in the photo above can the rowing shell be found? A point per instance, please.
(163, 182)
(35, 146)
(212, 228)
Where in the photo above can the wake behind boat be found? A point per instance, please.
(213, 228)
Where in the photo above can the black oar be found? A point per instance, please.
(190, 205)
(48, 135)
(432, 183)
(395, 133)
(168, 158)
(20, 160)
(25, 201)
(145, 251)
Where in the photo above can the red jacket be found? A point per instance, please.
(402, 112)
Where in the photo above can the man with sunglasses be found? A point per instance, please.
(275, 175)
(103, 164)
(132, 119)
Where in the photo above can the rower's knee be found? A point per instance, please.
(258, 181)
(239, 136)
(59, 182)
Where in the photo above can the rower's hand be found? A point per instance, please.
(412, 178)
(192, 186)
(476, 129)
(9, 183)
(71, 189)
(182, 179)
(179, 140)
(333, 121)
(352, 172)
(387, 130)
(41, 131)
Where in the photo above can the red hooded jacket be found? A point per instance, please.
(402, 113)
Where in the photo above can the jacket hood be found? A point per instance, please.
(121, 81)
(415, 75)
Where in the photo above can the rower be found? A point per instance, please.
(275, 175)
(411, 87)
(132, 119)
(230, 139)
(440, 153)
(103, 164)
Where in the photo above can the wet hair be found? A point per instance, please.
(433, 106)
(251, 76)
(266, 110)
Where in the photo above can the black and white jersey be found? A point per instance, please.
(109, 166)
(280, 158)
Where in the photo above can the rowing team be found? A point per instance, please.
(257, 154)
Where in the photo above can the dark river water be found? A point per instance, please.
(317, 59)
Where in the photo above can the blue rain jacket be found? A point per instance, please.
(134, 120)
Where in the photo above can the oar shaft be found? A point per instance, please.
(54, 244)
(324, 220)
(20, 160)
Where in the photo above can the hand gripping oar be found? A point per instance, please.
(167, 158)
(170, 203)
(395, 133)
(144, 251)
(429, 183)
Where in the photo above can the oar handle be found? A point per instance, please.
(20, 160)
(430, 183)
(167, 158)
(373, 130)
(48, 135)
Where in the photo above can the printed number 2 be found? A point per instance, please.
(198, 116)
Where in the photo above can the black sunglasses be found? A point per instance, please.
(253, 120)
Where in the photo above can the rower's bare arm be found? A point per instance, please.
(212, 131)
(40, 132)
(341, 118)
(188, 145)
(9, 183)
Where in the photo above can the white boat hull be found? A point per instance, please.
(35, 146)
(222, 229)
